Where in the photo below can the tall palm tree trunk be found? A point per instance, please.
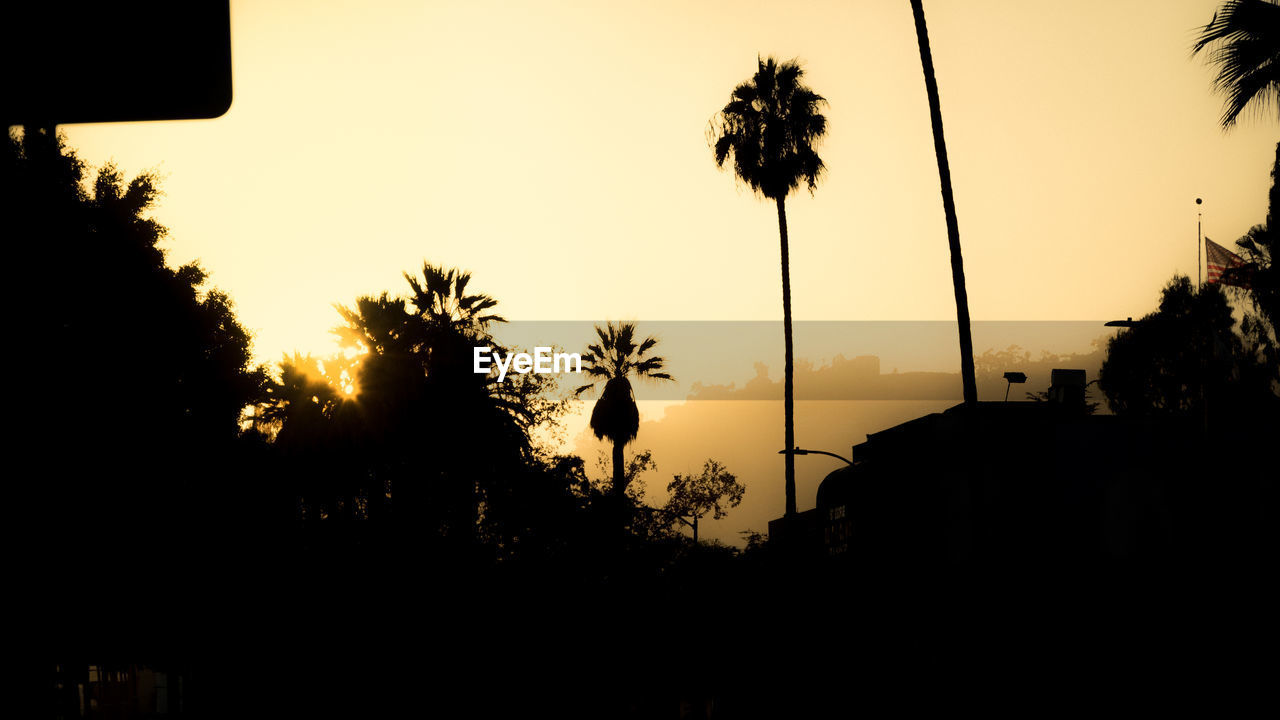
(788, 396)
(949, 207)
(619, 480)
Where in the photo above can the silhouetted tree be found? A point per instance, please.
(1259, 247)
(643, 522)
(302, 395)
(148, 371)
(768, 130)
(442, 301)
(948, 206)
(433, 331)
(319, 437)
(613, 359)
(639, 463)
(1245, 35)
(715, 490)
(449, 449)
(1185, 360)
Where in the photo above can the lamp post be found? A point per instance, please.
(1013, 377)
(1199, 242)
(801, 451)
(1122, 323)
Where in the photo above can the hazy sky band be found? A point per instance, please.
(836, 360)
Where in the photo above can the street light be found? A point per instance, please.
(801, 451)
(1122, 323)
(1013, 377)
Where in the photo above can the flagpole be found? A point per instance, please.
(1199, 242)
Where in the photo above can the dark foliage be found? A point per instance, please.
(618, 355)
(768, 129)
(1185, 359)
(145, 371)
(1245, 37)
(1261, 294)
(423, 455)
(714, 491)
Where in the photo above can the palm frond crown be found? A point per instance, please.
(768, 129)
(1245, 40)
(618, 355)
(441, 299)
(614, 358)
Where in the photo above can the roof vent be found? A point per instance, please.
(1066, 387)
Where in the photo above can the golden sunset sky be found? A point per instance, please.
(558, 150)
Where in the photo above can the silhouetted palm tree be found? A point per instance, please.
(441, 299)
(949, 209)
(1247, 36)
(303, 394)
(615, 415)
(446, 435)
(769, 128)
(427, 348)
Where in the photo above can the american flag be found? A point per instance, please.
(1220, 262)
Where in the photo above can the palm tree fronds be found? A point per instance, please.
(615, 416)
(768, 128)
(1246, 34)
(648, 367)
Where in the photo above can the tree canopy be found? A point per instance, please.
(1261, 291)
(618, 356)
(400, 432)
(769, 128)
(144, 371)
(1185, 359)
(714, 491)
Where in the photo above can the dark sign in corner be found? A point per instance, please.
(116, 62)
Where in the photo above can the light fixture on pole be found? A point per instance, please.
(1013, 377)
(1122, 323)
(800, 451)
